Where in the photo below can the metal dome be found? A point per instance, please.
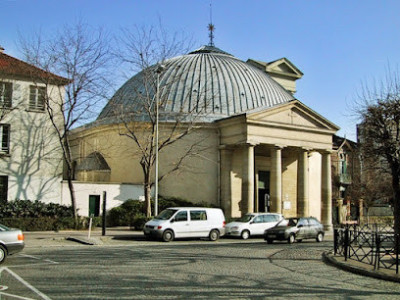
(207, 80)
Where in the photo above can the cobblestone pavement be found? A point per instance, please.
(125, 266)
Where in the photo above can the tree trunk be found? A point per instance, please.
(70, 176)
(72, 195)
(147, 193)
(396, 202)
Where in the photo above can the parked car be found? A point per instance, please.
(296, 229)
(11, 242)
(252, 224)
(186, 222)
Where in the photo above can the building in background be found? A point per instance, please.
(30, 156)
(345, 180)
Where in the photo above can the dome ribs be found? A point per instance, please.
(207, 84)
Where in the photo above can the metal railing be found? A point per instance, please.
(376, 245)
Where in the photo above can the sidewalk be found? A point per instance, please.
(113, 236)
(360, 268)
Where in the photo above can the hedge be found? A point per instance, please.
(39, 216)
(49, 223)
(132, 213)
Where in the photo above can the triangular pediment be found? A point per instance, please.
(293, 114)
(284, 66)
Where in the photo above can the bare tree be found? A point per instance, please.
(139, 107)
(380, 133)
(80, 57)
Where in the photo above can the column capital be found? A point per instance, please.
(248, 144)
(279, 146)
(305, 149)
(325, 151)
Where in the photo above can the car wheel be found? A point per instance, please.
(291, 239)
(168, 235)
(269, 241)
(3, 254)
(245, 234)
(320, 237)
(214, 235)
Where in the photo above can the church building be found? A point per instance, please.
(252, 147)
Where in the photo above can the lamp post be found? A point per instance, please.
(160, 68)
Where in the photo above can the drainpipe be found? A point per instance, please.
(219, 169)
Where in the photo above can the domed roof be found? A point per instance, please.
(209, 81)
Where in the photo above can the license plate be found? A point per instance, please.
(272, 236)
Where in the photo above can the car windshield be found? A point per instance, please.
(245, 218)
(166, 214)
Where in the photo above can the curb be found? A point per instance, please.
(84, 241)
(329, 258)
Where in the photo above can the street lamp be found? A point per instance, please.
(160, 68)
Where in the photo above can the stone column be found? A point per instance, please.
(326, 191)
(226, 168)
(302, 185)
(276, 180)
(248, 179)
(361, 211)
(341, 216)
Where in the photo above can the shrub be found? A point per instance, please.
(43, 223)
(32, 209)
(116, 217)
(138, 221)
(133, 212)
(124, 214)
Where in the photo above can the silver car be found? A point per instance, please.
(296, 229)
(11, 241)
(252, 224)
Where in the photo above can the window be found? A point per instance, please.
(5, 94)
(303, 222)
(3, 188)
(258, 219)
(271, 218)
(198, 215)
(4, 138)
(36, 97)
(313, 221)
(181, 216)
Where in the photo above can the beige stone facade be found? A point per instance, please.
(281, 153)
(292, 145)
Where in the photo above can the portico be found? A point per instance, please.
(277, 160)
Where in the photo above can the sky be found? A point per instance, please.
(339, 45)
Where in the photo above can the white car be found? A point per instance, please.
(252, 224)
(186, 222)
(11, 242)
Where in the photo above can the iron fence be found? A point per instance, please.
(376, 245)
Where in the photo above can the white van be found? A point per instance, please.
(253, 224)
(186, 222)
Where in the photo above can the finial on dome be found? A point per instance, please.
(211, 34)
(211, 28)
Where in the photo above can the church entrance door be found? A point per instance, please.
(263, 191)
